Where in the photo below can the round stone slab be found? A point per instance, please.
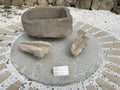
(80, 67)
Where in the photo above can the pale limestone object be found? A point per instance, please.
(37, 48)
(79, 43)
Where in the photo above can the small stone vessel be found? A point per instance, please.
(37, 48)
(49, 22)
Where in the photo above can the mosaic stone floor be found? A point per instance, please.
(107, 76)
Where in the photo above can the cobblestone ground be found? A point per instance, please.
(107, 77)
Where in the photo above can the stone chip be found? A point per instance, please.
(37, 48)
(79, 43)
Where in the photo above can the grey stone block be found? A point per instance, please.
(52, 22)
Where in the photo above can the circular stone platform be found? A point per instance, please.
(80, 67)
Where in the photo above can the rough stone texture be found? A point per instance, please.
(71, 2)
(4, 38)
(112, 5)
(112, 45)
(43, 2)
(113, 59)
(29, 2)
(53, 22)
(19, 24)
(14, 28)
(4, 76)
(83, 4)
(103, 4)
(2, 66)
(90, 87)
(78, 24)
(51, 1)
(95, 4)
(17, 2)
(3, 31)
(113, 52)
(85, 27)
(116, 2)
(94, 30)
(101, 34)
(59, 56)
(117, 10)
(5, 2)
(37, 48)
(15, 86)
(114, 78)
(60, 2)
(108, 39)
(114, 68)
(104, 84)
(79, 43)
(4, 44)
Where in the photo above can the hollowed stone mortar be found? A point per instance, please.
(52, 22)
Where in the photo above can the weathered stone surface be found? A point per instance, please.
(60, 53)
(19, 24)
(4, 76)
(37, 48)
(1, 2)
(115, 4)
(113, 59)
(101, 34)
(117, 10)
(113, 52)
(14, 28)
(60, 2)
(43, 2)
(85, 27)
(112, 45)
(107, 5)
(4, 44)
(94, 30)
(79, 43)
(6, 32)
(2, 66)
(78, 24)
(108, 39)
(102, 4)
(5, 2)
(95, 4)
(29, 2)
(17, 2)
(114, 68)
(83, 4)
(114, 78)
(104, 84)
(70, 2)
(4, 38)
(53, 22)
(51, 2)
(15, 86)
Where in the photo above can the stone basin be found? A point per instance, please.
(49, 22)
